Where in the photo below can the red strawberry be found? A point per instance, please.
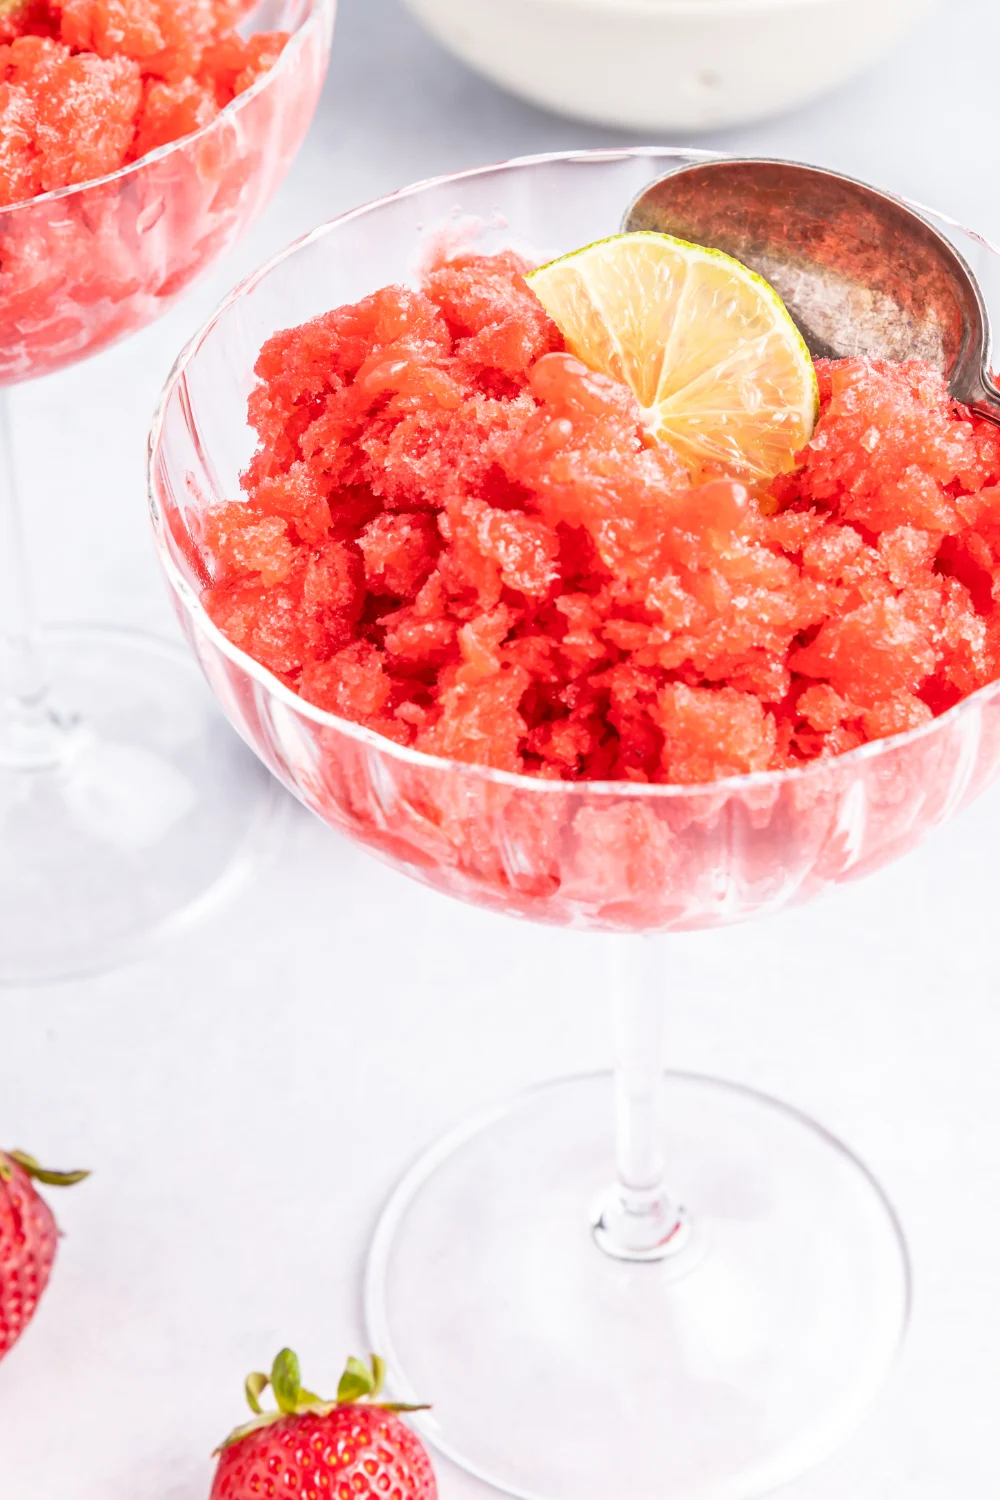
(28, 1236)
(354, 1448)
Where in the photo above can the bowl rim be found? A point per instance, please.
(188, 598)
(316, 14)
(705, 9)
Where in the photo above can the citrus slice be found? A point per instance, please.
(718, 367)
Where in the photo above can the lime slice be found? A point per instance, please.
(718, 367)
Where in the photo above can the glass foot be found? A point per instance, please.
(123, 814)
(557, 1372)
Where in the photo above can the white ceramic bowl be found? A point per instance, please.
(668, 64)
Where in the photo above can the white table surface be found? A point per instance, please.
(249, 1094)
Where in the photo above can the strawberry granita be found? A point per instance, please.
(87, 86)
(456, 535)
(202, 120)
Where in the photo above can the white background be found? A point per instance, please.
(248, 1095)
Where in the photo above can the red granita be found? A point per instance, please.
(88, 86)
(457, 535)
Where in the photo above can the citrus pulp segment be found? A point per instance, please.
(718, 367)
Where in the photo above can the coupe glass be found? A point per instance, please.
(715, 1317)
(124, 801)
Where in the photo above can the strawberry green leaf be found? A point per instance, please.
(267, 1420)
(356, 1383)
(6, 1171)
(378, 1371)
(256, 1385)
(286, 1380)
(39, 1173)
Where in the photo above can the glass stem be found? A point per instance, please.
(638, 1220)
(31, 736)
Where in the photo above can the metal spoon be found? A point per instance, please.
(859, 271)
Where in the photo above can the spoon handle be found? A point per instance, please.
(981, 394)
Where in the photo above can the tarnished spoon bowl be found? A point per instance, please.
(860, 271)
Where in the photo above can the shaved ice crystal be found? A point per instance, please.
(456, 535)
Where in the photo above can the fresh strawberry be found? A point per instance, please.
(354, 1448)
(28, 1236)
